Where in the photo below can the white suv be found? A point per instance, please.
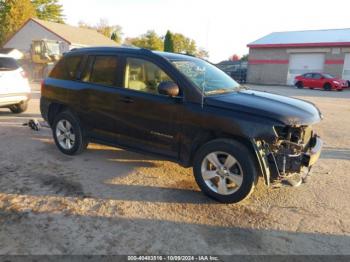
(14, 86)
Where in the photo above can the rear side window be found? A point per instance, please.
(8, 64)
(101, 70)
(66, 68)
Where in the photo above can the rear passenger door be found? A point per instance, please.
(100, 98)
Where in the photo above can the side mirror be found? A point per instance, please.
(168, 88)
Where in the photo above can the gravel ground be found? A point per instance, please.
(111, 201)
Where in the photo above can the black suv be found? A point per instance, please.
(184, 109)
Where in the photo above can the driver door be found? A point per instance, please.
(150, 121)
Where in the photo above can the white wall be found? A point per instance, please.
(32, 31)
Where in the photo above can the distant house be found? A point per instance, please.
(15, 53)
(68, 36)
(278, 57)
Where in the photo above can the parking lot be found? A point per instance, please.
(110, 201)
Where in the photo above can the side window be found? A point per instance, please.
(101, 70)
(142, 75)
(317, 76)
(66, 68)
(308, 75)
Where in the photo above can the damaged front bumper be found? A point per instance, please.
(285, 157)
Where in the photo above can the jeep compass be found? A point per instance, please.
(183, 109)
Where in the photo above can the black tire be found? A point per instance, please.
(299, 85)
(327, 87)
(19, 108)
(246, 162)
(80, 142)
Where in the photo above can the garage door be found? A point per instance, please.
(304, 63)
(346, 70)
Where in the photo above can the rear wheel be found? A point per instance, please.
(19, 108)
(299, 85)
(68, 134)
(225, 170)
(327, 87)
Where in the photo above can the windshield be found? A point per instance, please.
(7, 64)
(328, 76)
(208, 78)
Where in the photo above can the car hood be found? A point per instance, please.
(289, 111)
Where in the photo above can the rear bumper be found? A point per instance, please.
(313, 153)
(12, 99)
(44, 108)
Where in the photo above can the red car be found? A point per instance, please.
(320, 81)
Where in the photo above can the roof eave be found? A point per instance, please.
(328, 44)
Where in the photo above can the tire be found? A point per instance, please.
(67, 127)
(299, 85)
(19, 108)
(327, 87)
(243, 170)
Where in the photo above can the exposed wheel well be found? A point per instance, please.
(207, 137)
(54, 109)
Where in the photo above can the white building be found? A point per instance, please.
(69, 36)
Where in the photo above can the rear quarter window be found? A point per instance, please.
(66, 68)
(8, 64)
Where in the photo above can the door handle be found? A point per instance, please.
(127, 100)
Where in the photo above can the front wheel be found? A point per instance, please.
(327, 87)
(69, 134)
(19, 108)
(225, 170)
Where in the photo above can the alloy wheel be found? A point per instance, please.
(65, 134)
(222, 173)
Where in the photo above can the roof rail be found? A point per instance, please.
(146, 50)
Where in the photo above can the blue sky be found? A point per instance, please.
(223, 27)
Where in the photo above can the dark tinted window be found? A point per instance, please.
(85, 76)
(317, 76)
(308, 75)
(66, 68)
(7, 64)
(103, 70)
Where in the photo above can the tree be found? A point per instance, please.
(117, 34)
(49, 10)
(104, 28)
(183, 44)
(235, 57)
(13, 14)
(111, 31)
(169, 42)
(244, 58)
(150, 40)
